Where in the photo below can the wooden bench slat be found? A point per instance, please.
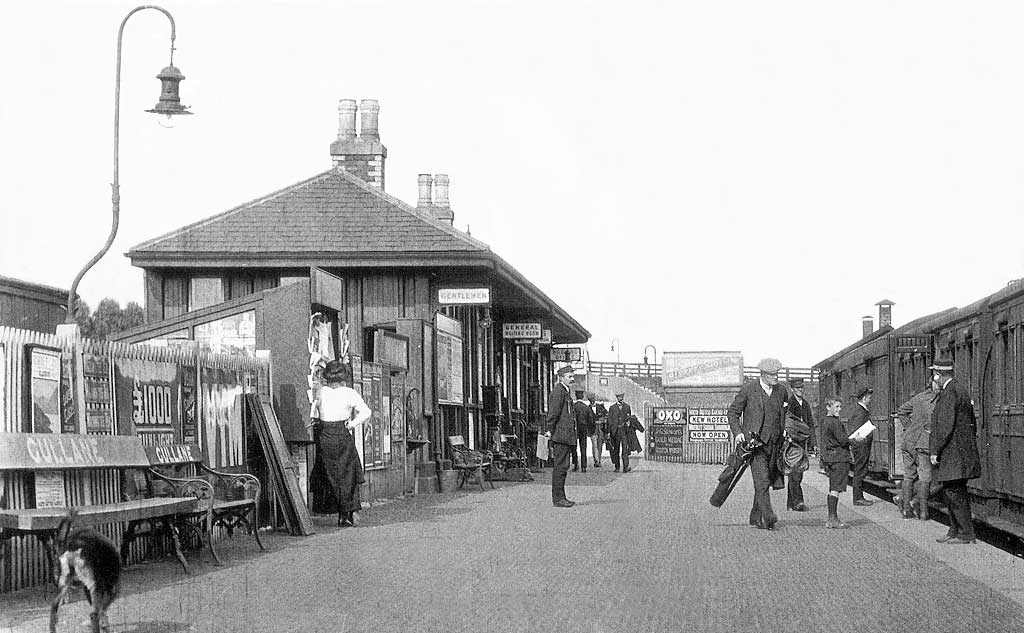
(50, 518)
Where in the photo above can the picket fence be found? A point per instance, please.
(23, 559)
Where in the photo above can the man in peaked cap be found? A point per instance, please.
(758, 411)
(560, 428)
(618, 414)
(953, 446)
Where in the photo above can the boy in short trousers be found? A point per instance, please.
(835, 455)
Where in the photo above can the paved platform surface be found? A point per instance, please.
(641, 552)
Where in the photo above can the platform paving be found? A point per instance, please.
(641, 552)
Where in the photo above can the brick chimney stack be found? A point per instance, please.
(426, 187)
(884, 313)
(442, 208)
(363, 155)
(867, 324)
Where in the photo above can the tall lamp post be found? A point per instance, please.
(616, 348)
(654, 356)
(168, 105)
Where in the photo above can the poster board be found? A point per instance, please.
(702, 369)
(709, 425)
(667, 431)
(44, 405)
(449, 369)
(99, 394)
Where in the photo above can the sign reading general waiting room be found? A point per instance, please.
(464, 296)
(521, 330)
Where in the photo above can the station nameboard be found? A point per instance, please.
(702, 369)
(709, 425)
(521, 330)
(464, 296)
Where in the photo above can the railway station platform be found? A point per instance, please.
(641, 552)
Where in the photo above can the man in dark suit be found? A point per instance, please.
(600, 417)
(761, 404)
(618, 414)
(954, 451)
(560, 429)
(861, 450)
(799, 407)
(584, 426)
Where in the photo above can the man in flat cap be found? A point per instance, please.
(861, 450)
(584, 429)
(799, 407)
(954, 450)
(758, 411)
(560, 429)
(618, 416)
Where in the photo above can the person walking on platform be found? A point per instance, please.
(560, 429)
(835, 455)
(916, 416)
(799, 407)
(760, 404)
(600, 418)
(584, 426)
(954, 451)
(861, 450)
(618, 414)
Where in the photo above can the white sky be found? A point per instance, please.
(723, 175)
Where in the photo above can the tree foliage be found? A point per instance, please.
(109, 318)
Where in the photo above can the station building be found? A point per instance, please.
(445, 337)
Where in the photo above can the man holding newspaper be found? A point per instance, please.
(861, 437)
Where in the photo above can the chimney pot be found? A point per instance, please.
(346, 119)
(426, 184)
(867, 323)
(884, 313)
(441, 190)
(369, 110)
(442, 209)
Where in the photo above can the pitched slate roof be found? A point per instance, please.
(330, 212)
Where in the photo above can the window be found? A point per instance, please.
(204, 292)
(235, 334)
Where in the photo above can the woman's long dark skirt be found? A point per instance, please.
(341, 461)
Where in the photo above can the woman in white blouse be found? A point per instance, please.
(339, 410)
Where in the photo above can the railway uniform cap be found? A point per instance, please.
(796, 383)
(564, 370)
(769, 366)
(864, 392)
(579, 394)
(942, 363)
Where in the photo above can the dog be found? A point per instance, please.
(88, 560)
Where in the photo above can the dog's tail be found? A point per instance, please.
(65, 527)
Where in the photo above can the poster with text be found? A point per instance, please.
(223, 437)
(44, 374)
(449, 369)
(148, 400)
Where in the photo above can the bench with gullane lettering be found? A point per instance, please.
(44, 470)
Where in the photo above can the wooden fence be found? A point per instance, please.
(653, 370)
(23, 558)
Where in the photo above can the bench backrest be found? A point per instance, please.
(55, 451)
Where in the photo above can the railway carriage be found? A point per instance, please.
(986, 341)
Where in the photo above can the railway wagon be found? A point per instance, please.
(986, 341)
